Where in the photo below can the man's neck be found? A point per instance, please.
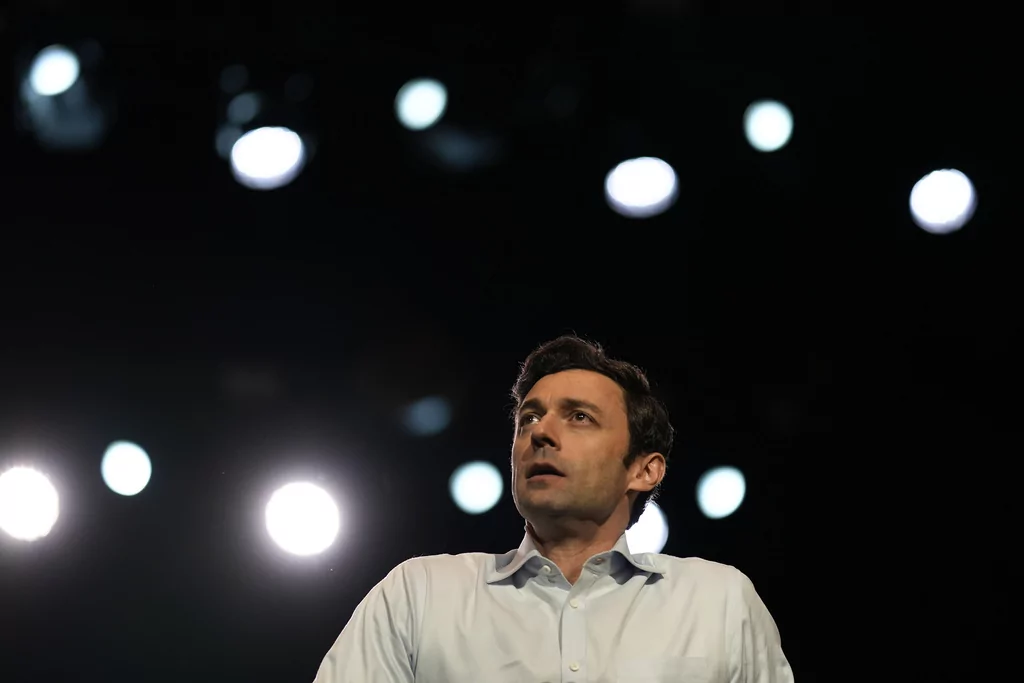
(569, 551)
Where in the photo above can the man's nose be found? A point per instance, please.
(543, 435)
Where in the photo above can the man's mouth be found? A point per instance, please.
(541, 469)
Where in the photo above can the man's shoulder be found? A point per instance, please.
(445, 565)
(707, 573)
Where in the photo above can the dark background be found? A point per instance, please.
(861, 372)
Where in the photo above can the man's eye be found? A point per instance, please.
(528, 417)
(580, 417)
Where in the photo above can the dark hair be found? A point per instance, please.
(649, 428)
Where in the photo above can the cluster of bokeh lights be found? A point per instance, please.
(303, 519)
(268, 156)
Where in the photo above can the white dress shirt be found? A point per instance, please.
(483, 618)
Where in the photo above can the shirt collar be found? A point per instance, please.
(511, 562)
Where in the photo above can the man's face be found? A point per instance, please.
(574, 421)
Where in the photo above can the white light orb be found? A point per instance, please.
(54, 70)
(720, 491)
(943, 201)
(268, 158)
(476, 487)
(768, 125)
(641, 188)
(302, 519)
(126, 468)
(421, 103)
(29, 504)
(650, 533)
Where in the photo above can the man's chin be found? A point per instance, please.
(540, 492)
(542, 505)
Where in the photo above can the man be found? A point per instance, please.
(572, 603)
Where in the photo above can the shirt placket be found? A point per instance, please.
(574, 629)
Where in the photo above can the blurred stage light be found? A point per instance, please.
(476, 487)
(943, 201)
(420, 106)
(768, 125)
(302, 519)
(126, 468)
(650, 533)
(259, 134)
(428, 416)
(720, 492)
(641, 188)
(54, 70)
(421, 103)
(267, 158)
(29, 504)
(59, 102)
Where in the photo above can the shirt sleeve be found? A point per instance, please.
(755, 650)
(378, 644)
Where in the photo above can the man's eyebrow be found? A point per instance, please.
(530, 404)
(570, 403)
(564, 404)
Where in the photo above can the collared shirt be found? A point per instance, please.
(482, 618)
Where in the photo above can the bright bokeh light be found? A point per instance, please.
(302, 519)
(428, 416)
(53, 71)
(768, 125)
(641, 188)
(29, 505)
(268, 158)
(720, 492)
(476, 487)
(126, 468)
(943, 201)
(650, 533)
(421, 103)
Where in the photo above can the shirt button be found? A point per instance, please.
(546, 569)
(574, 667)
(574, 603)
(599, 561)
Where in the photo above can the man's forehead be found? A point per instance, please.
(579, 384)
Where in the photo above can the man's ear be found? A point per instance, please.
(646, 472)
